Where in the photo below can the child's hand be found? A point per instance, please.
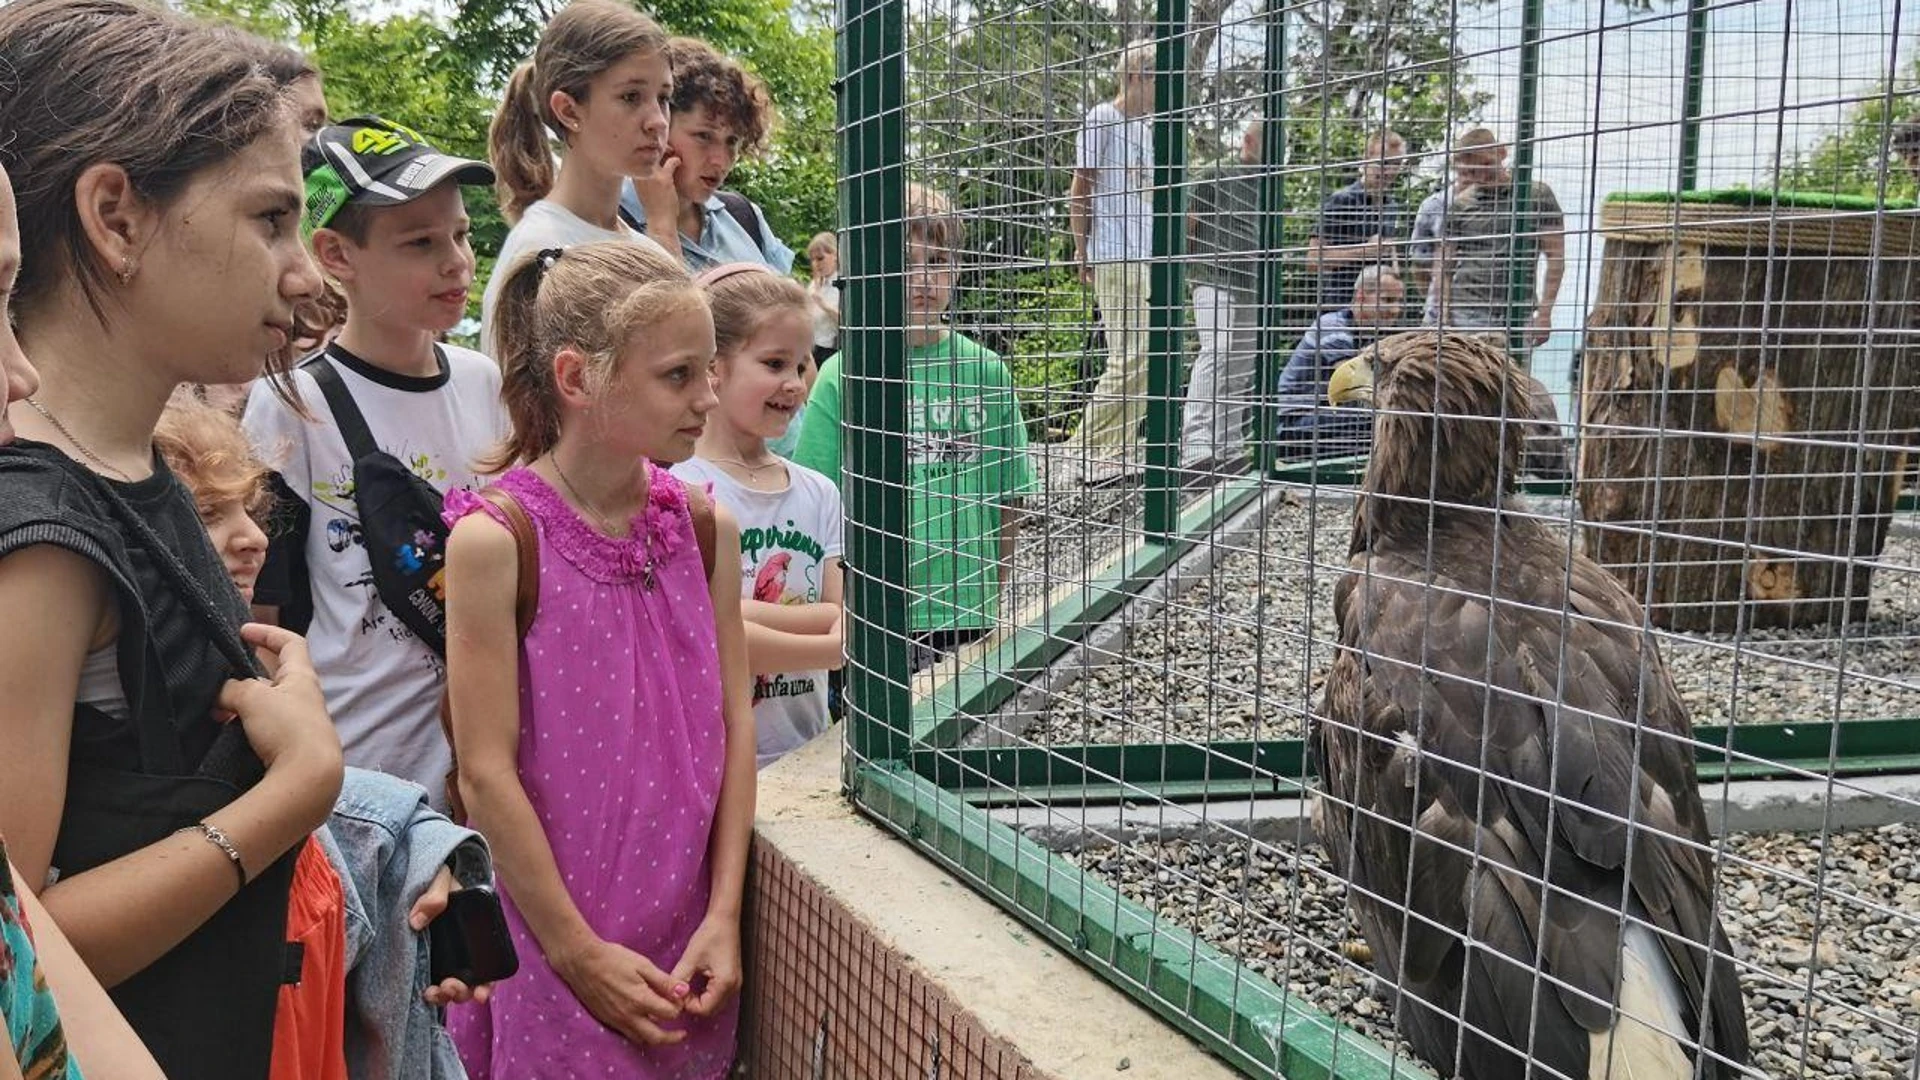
(425, 910)
(285, 715)
(623, 990)
(709, 971)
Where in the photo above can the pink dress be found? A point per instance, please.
(622, 748)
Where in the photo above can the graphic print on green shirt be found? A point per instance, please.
(966, 458)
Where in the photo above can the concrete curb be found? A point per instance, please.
(1809, 806)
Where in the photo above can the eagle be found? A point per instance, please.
(1507, 778)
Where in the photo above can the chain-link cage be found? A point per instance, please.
(1387, 527)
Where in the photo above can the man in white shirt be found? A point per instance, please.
(1110, 209)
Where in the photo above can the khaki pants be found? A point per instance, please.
(1110, 426)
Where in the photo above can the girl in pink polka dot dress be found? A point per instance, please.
(618, 794)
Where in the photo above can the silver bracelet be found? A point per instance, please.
(220, 840)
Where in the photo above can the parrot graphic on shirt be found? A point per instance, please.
(770, 584)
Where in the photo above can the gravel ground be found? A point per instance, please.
(1243, 652)
(1852, 940)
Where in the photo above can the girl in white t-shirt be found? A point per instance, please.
(597, 90)
(789, 515)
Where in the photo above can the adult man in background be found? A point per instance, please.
(1110, 209)
(1223, 236)
(1490, 229)
(1358, 223)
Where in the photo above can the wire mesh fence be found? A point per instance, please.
(1388, 526)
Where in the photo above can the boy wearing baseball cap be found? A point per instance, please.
(388, 408)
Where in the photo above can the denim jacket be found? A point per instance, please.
(387, 844)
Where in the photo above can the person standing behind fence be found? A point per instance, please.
(605, 745)
(1429, 221)
(823, 294)
(1358, 223)
(1223, 227)
(721, 113)
(1487, 228)
(598, 86)
(789, 515)
(1110, 209)
(967, 466)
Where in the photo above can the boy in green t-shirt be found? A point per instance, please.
(967, 461)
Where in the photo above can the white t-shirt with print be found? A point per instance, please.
(786, 538)
(382, 683)
(546, 224)
(1118, 150)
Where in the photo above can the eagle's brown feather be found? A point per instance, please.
(1479, 736)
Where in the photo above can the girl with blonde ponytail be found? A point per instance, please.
(598, 92)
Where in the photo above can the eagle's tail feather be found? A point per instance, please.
(1648, 1039)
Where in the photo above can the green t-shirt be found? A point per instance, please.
(966, 456)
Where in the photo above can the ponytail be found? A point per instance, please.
(517, 146)
(584, 39)
(593, 299)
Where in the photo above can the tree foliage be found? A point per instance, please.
(443, 77)
(1854, 159)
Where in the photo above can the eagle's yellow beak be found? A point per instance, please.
(1352, 381)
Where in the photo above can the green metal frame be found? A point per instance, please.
(906, 767)
(1243, 1017)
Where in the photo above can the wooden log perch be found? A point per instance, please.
(1750, 396)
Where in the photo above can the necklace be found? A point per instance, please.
(753, 471)
(73, 441)
(606, 526)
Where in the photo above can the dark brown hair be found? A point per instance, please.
(704, 78)
(586, 38)
(89, 81)
(593, 299)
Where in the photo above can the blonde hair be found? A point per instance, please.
(931, 220)
(592, 299)
(586, 38)
(823, 241)
(742, 296)
(206, 449)
(1136, 60)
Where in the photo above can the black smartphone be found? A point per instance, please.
(469, 941)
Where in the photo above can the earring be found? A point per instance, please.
(126, 272)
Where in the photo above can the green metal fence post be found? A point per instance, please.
(874, 372)
(1524, 271)
(1273, 228)
(1692, 98)
(1167, 279)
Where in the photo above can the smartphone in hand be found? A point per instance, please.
(470, 941)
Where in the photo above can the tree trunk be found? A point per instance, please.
(1750, 400)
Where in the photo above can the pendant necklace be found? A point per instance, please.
(646, 534)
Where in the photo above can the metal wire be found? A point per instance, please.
(1109, 731)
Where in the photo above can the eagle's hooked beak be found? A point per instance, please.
(1352, 381)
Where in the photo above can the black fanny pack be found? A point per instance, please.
(400, 524)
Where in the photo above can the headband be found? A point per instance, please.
(714, 275)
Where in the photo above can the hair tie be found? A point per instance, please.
(714, 275)
(548, 257)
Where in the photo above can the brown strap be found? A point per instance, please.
(526, 592)
(526, 604)
(700, 508)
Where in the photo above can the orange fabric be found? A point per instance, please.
(309, 1026)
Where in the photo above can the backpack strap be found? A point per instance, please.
(526, 604)
(346, 413)
(526, 542)
(740, 209)
(700, 508)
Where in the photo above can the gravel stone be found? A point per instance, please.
(1826, 934)
(1243, 652)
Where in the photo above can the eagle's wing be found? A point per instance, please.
(1505, 730)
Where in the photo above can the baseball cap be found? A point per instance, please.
(375, 162)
